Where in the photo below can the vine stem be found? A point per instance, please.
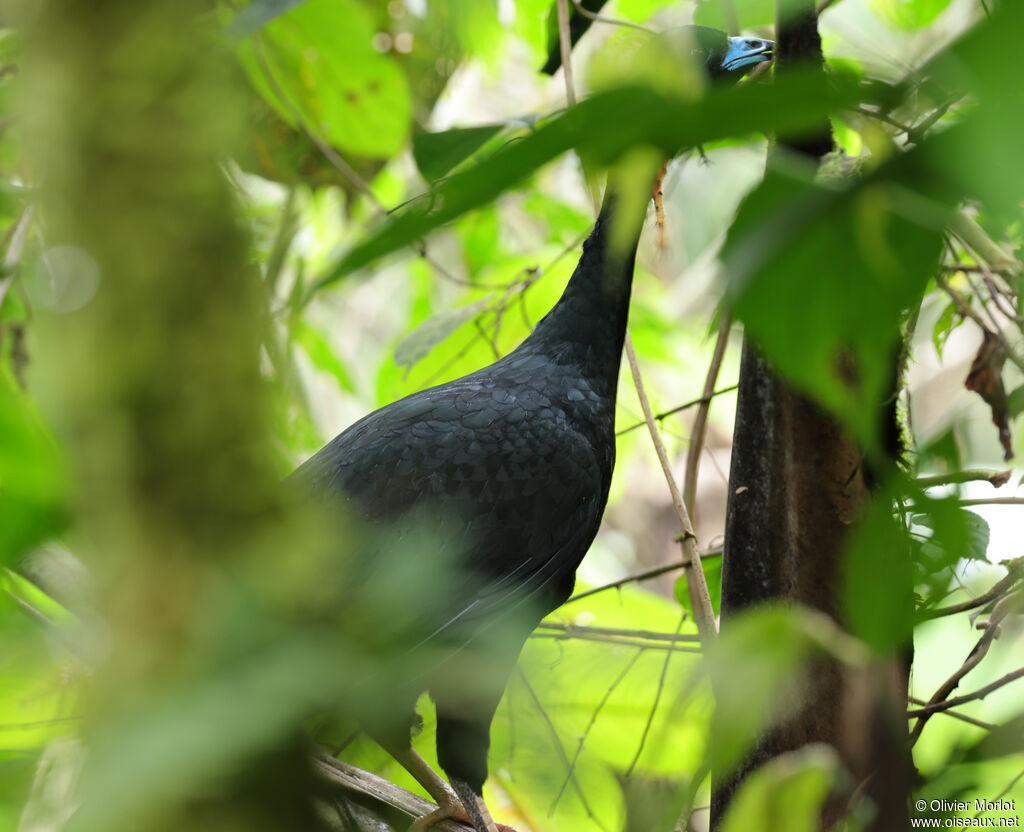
(696, 583)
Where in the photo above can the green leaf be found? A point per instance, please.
(713, 576)
(418, 343)
(438, 153)
(1002, 741)
(828, 321)
(878, 580)
(33, 490)
(324, 71)
(602, 128)
(785, 793)
(750, 13)
(1016, 401)
(944, 326)
(320, 352)
(767, 650)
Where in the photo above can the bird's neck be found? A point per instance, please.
(587, 326)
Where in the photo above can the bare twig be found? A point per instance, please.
(937, 707)
(656, 572)
(965, 309)
(597, 18)
(940, 700)
(970, 720)
(1001, 588)
(697, 585)
(658, 417)
(652, 635)
(700, 422)
(565, 46)
(996, 478)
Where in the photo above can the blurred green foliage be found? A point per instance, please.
(228, 235)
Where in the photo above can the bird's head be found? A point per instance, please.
(721, 56)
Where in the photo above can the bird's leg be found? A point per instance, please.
(475, 807)
(448, 802)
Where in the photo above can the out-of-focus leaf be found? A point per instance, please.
(321, 60)
(830, 322)
(1015, 401)
(962, 534)
(320, 352)
(766, 650)
(257, 15)
(602, 129)
(418, 343)
(438, 153)
(713, 576)
(1002, 741)
(751, 13)
(785, 793)
(33, 491)
(909, 14)
(878, 579)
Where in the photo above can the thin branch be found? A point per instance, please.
(970, 720)
(980, 693)
(700, 422)
(940, 700)
(697, 585)
(1001, 588)
(659, 417)
(656, 572)
(565, 46)
(992, 501)
(616, 641)
(616, 631)
(654, 705)
(996, 478)
(965, 309)
(597, 18)
(586, 731)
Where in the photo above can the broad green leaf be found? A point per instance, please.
(1016, 401)
(767, 650)
(437, 153)
(877, 581)
(316, 63)
(944, 326)
(713, 576)
(322, 354)
(786, 794)
(909, 14)
(418, 343)
(639, 117)
(828, 321)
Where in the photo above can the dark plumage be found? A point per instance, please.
(513, 464)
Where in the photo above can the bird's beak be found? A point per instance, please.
(744, 52)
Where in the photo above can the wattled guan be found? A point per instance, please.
(510, 468)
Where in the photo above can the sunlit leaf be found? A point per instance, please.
(786, 793)
(437, 153)
(415, 346)
(257, 14)
(909, 14)
(316, 63)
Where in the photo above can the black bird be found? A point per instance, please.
(513, 464)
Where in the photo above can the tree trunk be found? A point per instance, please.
(796, 486)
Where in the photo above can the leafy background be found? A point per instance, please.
(355, 109)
